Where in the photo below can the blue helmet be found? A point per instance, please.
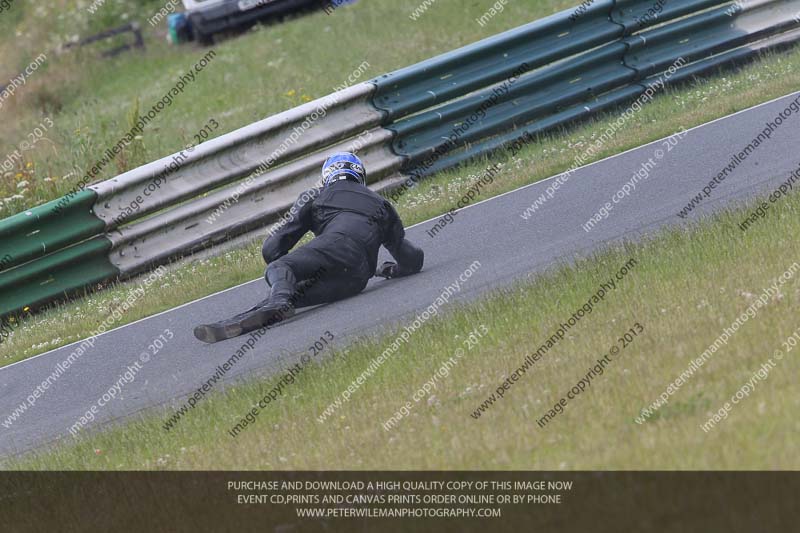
(343, 165)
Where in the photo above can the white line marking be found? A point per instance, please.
(129, 324)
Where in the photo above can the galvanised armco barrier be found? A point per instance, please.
(405, 125)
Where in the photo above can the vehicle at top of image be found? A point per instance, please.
(204, 19)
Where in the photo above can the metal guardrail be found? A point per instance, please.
(591, 82)
(405, 124)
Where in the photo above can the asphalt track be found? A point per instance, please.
(492, 232)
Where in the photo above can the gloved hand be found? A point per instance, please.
(387, 270)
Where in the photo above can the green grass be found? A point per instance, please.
(687, 286)
(678, 108)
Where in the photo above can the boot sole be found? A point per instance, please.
(213, 333)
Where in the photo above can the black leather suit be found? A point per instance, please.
(350, 223)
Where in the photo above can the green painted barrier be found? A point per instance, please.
(49, 227)
(529, 132)
(637, 15)
(607, 101)
(56, 275)
(698, 37)
(493, 111)
(491, 60)
(426, 138)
